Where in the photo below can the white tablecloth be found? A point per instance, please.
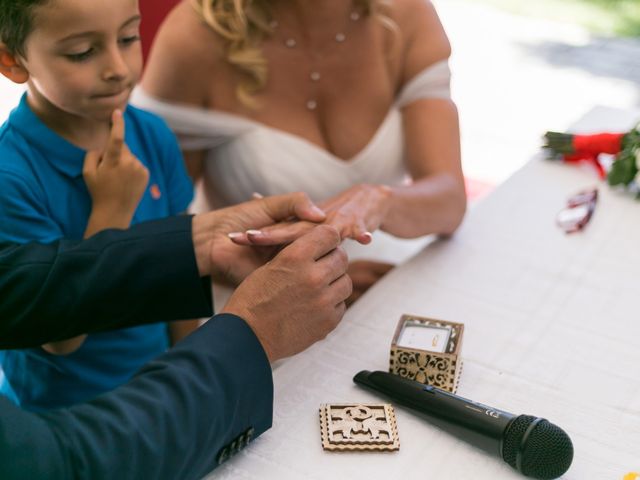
(552, 329)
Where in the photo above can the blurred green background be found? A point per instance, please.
(608, 17)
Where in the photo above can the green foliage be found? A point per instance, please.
(625, 167)
(559, 143)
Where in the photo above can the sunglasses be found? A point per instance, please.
(580, 207)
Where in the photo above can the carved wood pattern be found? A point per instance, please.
(348, 427)
(441, 370)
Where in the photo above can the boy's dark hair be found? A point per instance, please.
(16, 23)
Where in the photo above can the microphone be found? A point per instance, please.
(531, 445)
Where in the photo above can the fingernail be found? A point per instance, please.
(318, 210)
(254, 233)
(234, 235)
(257, 195)
(368, 235)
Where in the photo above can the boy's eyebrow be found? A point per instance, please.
(135, 18)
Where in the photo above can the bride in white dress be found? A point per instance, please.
(347, 101)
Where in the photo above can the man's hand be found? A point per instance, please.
(298, 297)
(116, 179)
(217, 254)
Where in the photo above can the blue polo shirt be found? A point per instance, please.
(43, 197)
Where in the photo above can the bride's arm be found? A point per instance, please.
(182, 60)
(194, 162)
(435, 202)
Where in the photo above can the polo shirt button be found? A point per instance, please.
(155, 191)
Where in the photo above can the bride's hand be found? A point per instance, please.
(355, 213)
(358, 211)
(364, 273)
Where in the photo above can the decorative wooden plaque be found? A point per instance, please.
(428, 351)
(348, 427)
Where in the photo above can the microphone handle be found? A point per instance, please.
(477, 424)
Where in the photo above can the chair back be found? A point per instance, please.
(153, 13)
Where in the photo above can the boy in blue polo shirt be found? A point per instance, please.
(69, 168)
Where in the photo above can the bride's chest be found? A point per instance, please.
(337, 102)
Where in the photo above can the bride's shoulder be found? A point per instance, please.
(415, 19)
(409, 13)
(186, 34)
(185, 51)
(424, 40)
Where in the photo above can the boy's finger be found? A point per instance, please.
(126, 153)
(91, 161)
(116, 139)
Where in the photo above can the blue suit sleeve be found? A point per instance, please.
(174, 420)
(23, 216)
(56, 291)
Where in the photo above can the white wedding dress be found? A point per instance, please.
(246, 156)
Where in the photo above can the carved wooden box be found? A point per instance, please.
(428, 351)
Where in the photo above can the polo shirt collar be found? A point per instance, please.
(62, 154)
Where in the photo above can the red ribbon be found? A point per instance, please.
(588, 147)
(587, 157)
(599, 143)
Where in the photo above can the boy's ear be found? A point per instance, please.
(11, 67)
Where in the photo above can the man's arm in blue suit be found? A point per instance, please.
(202, 401)
(52, 292)
(220, 395)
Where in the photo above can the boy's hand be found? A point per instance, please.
(115, 179)
(64, 347)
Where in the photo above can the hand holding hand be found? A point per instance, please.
(216, 253)
(355, 213)
(116, 179)
(298, 297)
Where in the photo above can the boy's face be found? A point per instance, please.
(83, 57)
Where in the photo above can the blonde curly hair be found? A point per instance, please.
(243, 24)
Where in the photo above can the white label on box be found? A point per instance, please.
(424, 337)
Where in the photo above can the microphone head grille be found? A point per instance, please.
(547, 451)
